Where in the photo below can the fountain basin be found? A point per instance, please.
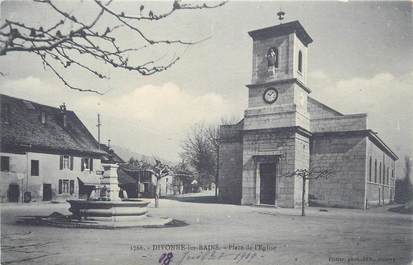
(116, 211)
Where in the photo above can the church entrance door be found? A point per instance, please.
(267, 183)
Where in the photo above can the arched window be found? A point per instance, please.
(380, 181)
(388, 182)
(300, 61)
(370, 164)
(375, 171)
(272, 57)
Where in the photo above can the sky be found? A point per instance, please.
(361, 61)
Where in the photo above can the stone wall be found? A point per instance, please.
(230, 163)
(302, 161)
(353, 122)
(379, 190)
(289, 110)
(282, 144)
(285, 95)
(230, 172)
(345, 154)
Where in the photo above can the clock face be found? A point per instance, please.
(270, 95)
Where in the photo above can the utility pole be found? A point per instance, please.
(98, 125)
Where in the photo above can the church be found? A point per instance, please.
(284, 129)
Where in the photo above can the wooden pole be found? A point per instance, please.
(98, 125)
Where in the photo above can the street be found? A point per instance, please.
(215, 234)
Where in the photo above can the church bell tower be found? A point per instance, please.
(276, 125)
(279, 77)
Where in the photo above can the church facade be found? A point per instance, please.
(284, 129)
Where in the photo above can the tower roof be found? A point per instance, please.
(282, 29)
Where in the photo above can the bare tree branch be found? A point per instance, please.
(86, 40)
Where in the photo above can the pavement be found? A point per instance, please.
(215, 234)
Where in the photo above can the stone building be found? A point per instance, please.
(46, 153)
(284, 129)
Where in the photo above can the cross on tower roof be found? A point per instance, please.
(280, 15)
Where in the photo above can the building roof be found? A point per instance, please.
(282, 29)
(125, 177)
(22, 129)
(112, 156)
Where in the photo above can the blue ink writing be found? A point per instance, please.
(166, 258)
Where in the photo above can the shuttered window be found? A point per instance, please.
(71, 163)
(87, 164)
(72, 187)
(66, 186)
(34, 169)
(5, 163)
(60, 186)
(66, 162)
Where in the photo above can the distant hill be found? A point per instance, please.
(126, 154)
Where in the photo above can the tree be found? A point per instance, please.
(159, 170)
(182, 177)
(404, 187)
(156, 167)
(309, 174)
(72, 40)
(200, 152)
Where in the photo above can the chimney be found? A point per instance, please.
(63, 114)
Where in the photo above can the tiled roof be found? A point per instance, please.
(112, 156)
(21, 127)
(125, 178)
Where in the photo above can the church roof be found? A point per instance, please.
(22, 129)
(282, 29)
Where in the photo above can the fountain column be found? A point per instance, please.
(109, 181)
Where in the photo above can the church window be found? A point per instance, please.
(380, 180)
(375, 171)
(388, 176)
(300, 62)
(272, 57)
(370, 169)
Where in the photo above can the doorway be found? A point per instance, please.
(47, 192)
(13, 193)
(267, 183)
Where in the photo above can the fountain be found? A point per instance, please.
(109, 210)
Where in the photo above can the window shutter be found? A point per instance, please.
(82, 164)
(61, 163)
(91, 164)
(72, 187)
(60, 186)
(71, 162)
